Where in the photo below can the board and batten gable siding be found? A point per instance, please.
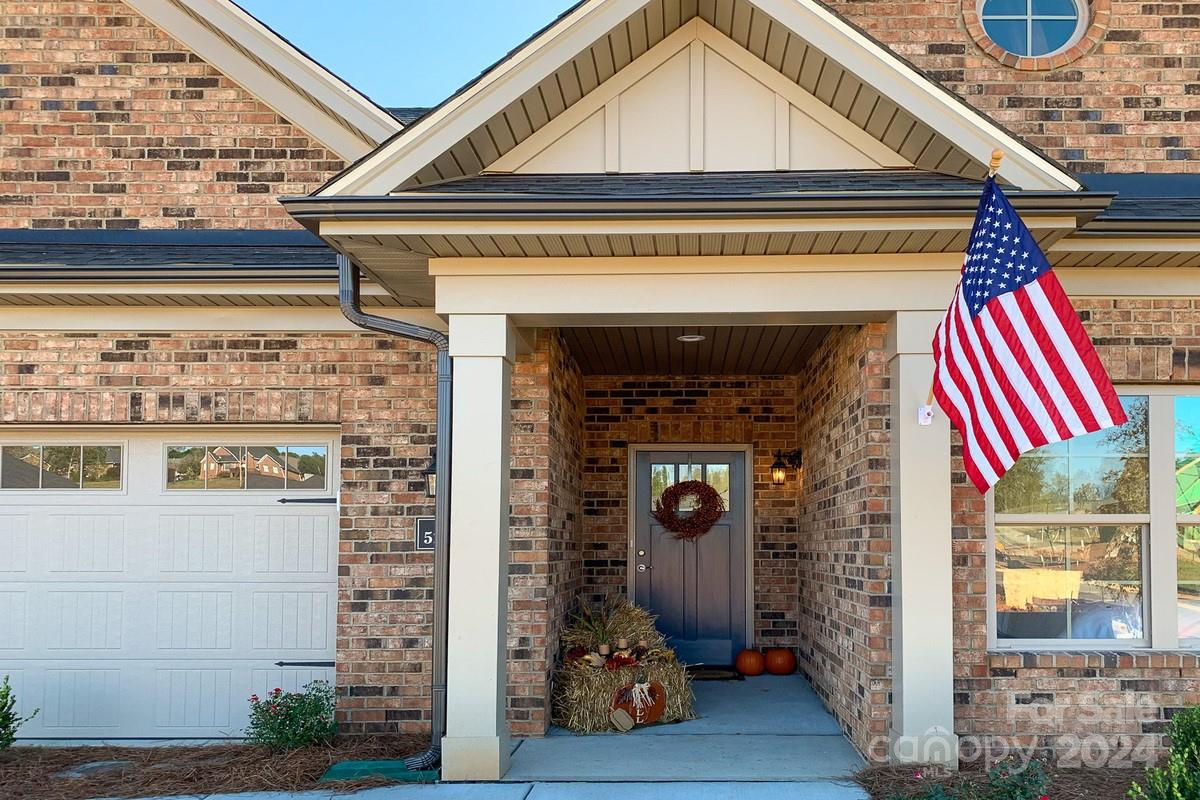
(108, 122)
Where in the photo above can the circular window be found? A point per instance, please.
(1033, 28)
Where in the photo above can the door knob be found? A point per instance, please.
(642, 568)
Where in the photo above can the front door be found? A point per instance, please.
(697, 588)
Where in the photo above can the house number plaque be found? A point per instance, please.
(425, 533)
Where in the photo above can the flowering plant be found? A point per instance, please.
(286, 720)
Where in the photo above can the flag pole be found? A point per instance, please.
(926, 413)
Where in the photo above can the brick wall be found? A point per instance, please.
(379, 390)
(107, 122)
(545, 569)
(844, 536)
(1051, 700)
(1128, 105)
(755, 410)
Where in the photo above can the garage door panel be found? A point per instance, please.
(147, 613)
(14, 542)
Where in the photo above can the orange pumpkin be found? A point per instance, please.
(781, 661)
(644, 702)
(750, 662)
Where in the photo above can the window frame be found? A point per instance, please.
(1160, 607)
(243, 442)
(122, 446)
(1082, 22)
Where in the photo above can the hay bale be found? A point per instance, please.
(583, 691)
(584, 694)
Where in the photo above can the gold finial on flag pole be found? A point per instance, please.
(994, 164)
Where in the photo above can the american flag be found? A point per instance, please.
(1013, 367)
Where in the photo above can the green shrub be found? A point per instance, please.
(286, 720)
(1008, 780)
(9, 721)
(1179, 779)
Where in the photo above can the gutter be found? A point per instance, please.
(350, 300)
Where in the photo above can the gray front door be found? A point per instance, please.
(697, 588)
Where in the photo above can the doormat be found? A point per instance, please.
(392, 770)
(711, 672)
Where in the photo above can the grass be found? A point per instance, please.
(891, 782)
(29, 772)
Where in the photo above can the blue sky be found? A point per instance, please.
(406, 52)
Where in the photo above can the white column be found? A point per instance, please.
(476, 746)
(922, 601)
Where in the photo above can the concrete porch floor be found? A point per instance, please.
(761, 729)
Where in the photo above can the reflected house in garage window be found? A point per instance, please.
(246, 467)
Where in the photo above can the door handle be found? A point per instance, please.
(642, 568)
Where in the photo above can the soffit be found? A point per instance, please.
(725, 350)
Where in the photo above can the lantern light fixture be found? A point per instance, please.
(430, 475)
(783, 461)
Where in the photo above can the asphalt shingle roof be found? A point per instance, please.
(702, 184)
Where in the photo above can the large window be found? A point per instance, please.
(234, 467)
(1096, 540)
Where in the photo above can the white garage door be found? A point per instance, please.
(151, 581)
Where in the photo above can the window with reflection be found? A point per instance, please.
(1071, 520)
(235, 467)
(60, 466)
(1187, 522)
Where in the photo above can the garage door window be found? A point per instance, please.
(234, 467)
(60, 466)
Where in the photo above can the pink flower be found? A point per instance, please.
(277, 692)
(918, 775)
(1044, 797)
(253, 698)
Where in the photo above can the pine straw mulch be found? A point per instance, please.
(28, 772)
(889, 782)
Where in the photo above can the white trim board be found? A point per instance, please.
(275, 72)
(400, 159)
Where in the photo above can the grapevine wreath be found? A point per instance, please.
(709, 508)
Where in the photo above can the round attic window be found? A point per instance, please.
(1034, 28)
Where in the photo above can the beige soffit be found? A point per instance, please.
(270, 68)
(853, 74)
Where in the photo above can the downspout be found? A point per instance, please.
(349, 297)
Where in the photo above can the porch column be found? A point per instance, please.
(922, 601)
(476, 745)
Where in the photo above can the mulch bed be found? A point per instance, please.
(29, 772)
(892, 782)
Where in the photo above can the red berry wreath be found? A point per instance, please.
(709, 508)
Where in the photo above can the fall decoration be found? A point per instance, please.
(588, 685)
(750, 663)
(709, 508)
(781, 661)
(643, 700)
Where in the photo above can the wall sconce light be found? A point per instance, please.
(784, 460)
(430, 475)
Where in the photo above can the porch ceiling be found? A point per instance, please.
(725, 350)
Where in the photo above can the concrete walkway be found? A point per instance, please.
(760, 729)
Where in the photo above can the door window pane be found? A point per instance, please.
(266, 466)
(1106, 472)
(689, 472)
(60, 467)
(1069, 582)
(1187, 455)
(305, 467)
(1187, 570)
(223, 467)
(717, 476)
(20, 466)
(183, 467)
(661, 476)
(102, 467)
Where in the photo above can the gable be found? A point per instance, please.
(804, 41)
(696, 102)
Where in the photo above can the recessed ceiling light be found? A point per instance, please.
(690, 338)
